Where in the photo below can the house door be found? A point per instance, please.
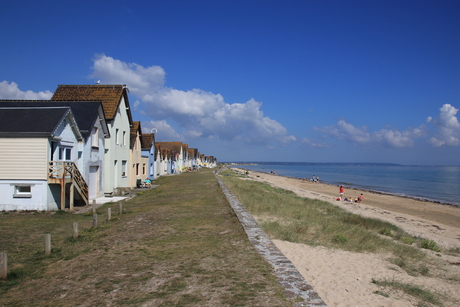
(93, 184)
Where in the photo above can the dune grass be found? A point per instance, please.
(289, 217)
(286, 216)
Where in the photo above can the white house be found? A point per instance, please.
(38, 151)
(115, 103)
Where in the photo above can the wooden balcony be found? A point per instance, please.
(64, 172)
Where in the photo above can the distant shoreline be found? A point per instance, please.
(353, 186)
(403, 211)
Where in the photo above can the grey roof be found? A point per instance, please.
(85, 112)
(24, 121)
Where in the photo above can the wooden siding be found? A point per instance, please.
(23, 158)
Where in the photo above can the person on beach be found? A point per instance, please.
(341, 192)
(360, 198)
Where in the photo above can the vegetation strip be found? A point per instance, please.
(177, 245)
(290, 278)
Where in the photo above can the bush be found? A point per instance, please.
(431, 245)
(340, 239)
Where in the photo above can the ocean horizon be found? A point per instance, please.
(433, 183)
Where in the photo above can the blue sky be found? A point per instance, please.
(310, 81)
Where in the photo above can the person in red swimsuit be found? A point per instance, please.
(342, 192)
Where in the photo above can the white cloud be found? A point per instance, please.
(447, 126)
(314, 143)
(385, 137)
(199, 113)
(164, 131)
(12, 91)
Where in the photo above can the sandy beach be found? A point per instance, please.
(344, 278)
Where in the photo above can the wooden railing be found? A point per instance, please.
(63, 172)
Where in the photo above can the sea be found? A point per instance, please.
(433, 183)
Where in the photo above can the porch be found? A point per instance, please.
(64, 173)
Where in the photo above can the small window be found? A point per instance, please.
(124, 138)
(123, 168)
(65, 154)
(117, 136)
(95, 137)
(22, 191)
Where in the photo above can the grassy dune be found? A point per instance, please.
(286, 216)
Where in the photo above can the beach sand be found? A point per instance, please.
(344, 278)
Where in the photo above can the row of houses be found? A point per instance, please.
(80, 145)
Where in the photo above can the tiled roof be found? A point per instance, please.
(173, 146)
(147, 141)
(85, 112)
(109, 95)
(23, 120)
(133, 134)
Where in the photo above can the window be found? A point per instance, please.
(137, 169)
(22, 191)
(95, 137)
(65, 153)
(123, 168)
(143, 169)
(124, 138)
(117, 136)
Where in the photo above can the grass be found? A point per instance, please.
(422, 295)
(286, 216)
(179, 244)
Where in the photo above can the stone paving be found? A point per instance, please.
(296, 287)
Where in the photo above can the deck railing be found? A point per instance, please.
(66, 171)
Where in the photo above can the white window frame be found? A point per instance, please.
(117, 136)
(22, 190)
(65, 153)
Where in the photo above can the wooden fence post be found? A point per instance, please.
(47, 244)
(75, 230)
(93, 205)
(120, 208)
(109, 214)
(95, 220)
(3, 265)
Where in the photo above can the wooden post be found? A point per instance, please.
(94, 206)
(120, 208)
(75, 230)
(63, 191)
(109, 214)
(71, 197)
(47, 244)
(3, 265)
(95, 220)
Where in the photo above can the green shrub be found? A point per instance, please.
(339, 239)
(431, 245)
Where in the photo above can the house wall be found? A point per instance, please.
(117, 151)
(37, 200)
(24, 163)
(23, 158)
(91, 158)
(137, 163)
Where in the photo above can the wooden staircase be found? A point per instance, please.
(63, 172)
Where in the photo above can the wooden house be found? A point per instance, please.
(38, 150)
